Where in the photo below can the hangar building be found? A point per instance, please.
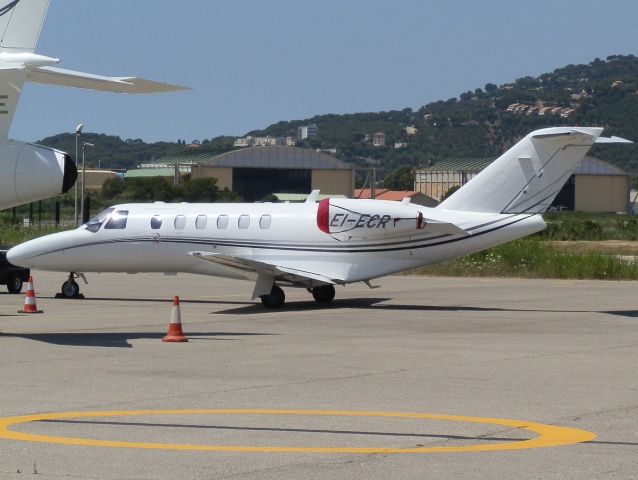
(595, 186)
(257, 172)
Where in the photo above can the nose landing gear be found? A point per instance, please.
(70, 288)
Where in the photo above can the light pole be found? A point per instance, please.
(78, 132)
(84, 145)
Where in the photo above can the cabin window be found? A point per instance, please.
(265, 221)
(200, 222)
(180, 222)
(96, 222)
(244, 221)
(156, 222)
(117, 220)
(222, 221)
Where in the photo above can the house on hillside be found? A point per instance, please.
(378, 139)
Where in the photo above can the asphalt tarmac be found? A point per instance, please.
(420, 378)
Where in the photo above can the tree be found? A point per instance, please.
(203, 190)
(400, 179)
(490, 88)
(450, 191)
(112, 187)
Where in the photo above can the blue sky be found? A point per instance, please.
(251, 63)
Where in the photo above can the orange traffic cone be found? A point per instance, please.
(29, 300)
(175, 333)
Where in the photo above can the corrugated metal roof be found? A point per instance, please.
(588, 166)
(594, 166)
(302, 197)
(152, 172)
(460, 165)
(263, 157)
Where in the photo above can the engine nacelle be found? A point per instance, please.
(30, 172)
(367, 218)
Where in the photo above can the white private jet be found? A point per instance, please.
(320, 245)
(30, 172)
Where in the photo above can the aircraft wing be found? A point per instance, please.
(257, 270)
(434, 226)
(70, 78)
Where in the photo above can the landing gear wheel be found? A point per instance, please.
(323, 293)
(14, 283)
(275, 299)
(70, 289)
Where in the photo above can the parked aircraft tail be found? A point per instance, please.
(527, 177)
(32, 172)
(20, 24)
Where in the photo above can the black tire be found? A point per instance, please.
(275, 299)
(324, 293)
(70, 289)
(14, 283)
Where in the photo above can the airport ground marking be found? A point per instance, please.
(548, 435)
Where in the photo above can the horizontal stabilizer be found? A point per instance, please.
(612, 140)
(70, 78)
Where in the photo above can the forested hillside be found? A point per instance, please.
(478, 123)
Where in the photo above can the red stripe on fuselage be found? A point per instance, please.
(323, 214)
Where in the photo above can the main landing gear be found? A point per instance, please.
(276, 298)
(323, 293)
(70, 288)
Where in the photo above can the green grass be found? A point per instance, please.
(589, 226)
(533, 258)
(11, 235)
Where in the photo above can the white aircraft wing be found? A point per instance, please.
(253, 269)
(70, 78)
(435, 226)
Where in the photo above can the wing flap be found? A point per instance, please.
(251, 269)
(71, 78)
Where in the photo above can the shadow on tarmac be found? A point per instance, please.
(250, 308)
(116, 339)
(376, 304)
(148, 300)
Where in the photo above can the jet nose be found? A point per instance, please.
(44, 253)
(20, 255)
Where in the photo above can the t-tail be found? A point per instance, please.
(527, 178)
(32, 172)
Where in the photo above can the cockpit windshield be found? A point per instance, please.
(96, 222)
(117, 220)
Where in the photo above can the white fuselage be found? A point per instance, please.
(285, 235)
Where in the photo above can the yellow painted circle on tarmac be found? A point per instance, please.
(547, 435)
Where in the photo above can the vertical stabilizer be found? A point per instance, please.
(20, 23)
(527, 177)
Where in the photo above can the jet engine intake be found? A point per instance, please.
(367, 218)
(30, 172)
